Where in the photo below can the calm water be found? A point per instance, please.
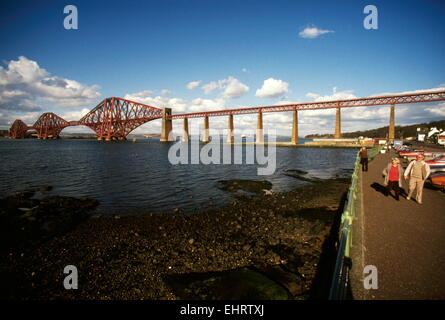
(127, 177)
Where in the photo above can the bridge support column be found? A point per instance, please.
(391, 133)
(166, 125)
(259, 131)
(205, 135)
(295, 127)
(338, 124)
(230, 137)
(185, 131)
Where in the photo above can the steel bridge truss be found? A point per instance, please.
(114, 118)
(359, 102)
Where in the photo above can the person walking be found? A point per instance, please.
(364, 158)
(417, 172)
(393, 177)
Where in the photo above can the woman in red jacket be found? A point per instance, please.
(393, 177)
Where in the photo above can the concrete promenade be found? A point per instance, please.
(403, 239)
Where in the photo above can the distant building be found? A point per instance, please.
(441, 139)
(433, 134)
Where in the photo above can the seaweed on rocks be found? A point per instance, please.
(251, 186)
(300, 177)
(297, 171)
(238, 284)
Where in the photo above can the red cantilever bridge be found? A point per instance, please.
(114, 118)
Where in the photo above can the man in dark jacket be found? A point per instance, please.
(364, 158)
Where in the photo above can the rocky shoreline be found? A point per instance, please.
(268, 246)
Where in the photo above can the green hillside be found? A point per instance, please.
(400, 131)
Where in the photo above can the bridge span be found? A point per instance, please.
(114, 118)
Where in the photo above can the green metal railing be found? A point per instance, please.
(340, 280)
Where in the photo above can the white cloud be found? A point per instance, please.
(336, 95)
(272, 88)
(312, 32)
(75, 115)
(438, 110)
(143, 94)
(193, 84)
(24, 86)
(209, 87)
(165, 92)
(7, 118)
(439, 88)
(231, 88)
(146, 97)
(200, 104)
(244, 70)
(234, 88)
(178, 105)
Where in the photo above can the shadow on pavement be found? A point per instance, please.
(382, 189)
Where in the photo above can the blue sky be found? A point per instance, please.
(135, 49)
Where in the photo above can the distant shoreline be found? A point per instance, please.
(277, 144)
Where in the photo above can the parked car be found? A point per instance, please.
(438, 180)
(402, 148)
(437, 163)
(411, 152)
(437, 170)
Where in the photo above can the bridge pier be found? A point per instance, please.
(295, 127)
(205, 134)
(166, 125)
(185, 131)
(338, 123)
(259, 131)
(230, 137)
(391, 133)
